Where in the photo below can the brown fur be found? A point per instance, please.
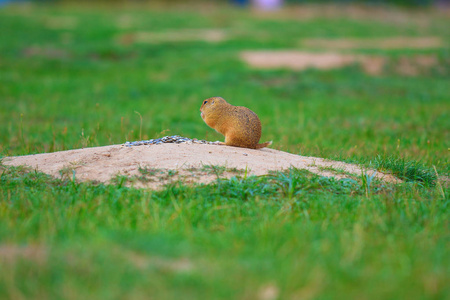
(240, 126)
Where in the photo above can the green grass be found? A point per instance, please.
(409, 170)
(297, 231)
(295, 234)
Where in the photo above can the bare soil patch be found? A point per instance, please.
(301, 60)
(371, 64)
(10, 253)
(399, 42)
(148, 37)
(416, 65)
(46, 52)
(156, 165)
(296, 60)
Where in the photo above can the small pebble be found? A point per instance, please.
(169, 139)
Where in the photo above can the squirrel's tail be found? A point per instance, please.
(259, 146)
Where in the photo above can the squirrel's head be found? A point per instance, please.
(210, 105)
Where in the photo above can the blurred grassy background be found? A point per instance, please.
(376, 2)
(74, 75)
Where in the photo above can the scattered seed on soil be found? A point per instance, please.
(176, 139)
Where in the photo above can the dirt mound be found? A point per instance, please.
(156, 165)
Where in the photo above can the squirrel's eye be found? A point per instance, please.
(204, 102)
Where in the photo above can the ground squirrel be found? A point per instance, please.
(240, 126)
